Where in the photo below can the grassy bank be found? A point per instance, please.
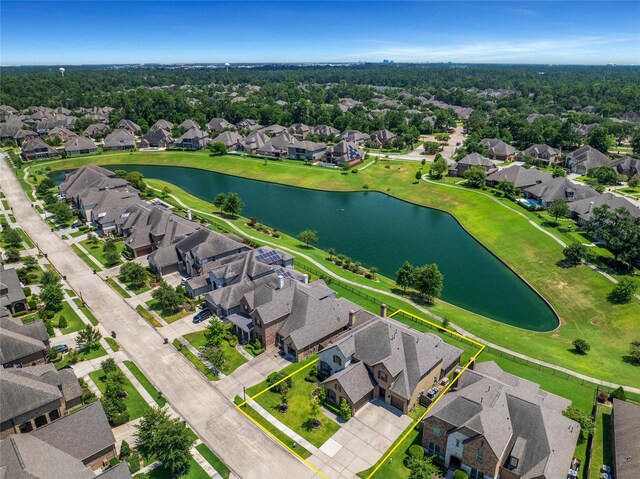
(577, 294)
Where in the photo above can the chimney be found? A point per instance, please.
(280, 281)
(352, 319)
(305, 279)
(383, 310)
(590, 206)
(189, 215)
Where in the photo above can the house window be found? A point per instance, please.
(479, 456)
(382, 376)
(331, 395)
(457, 442)
(435, 430)
(337, 360)
(475, 474)
(513, 462)
(433, 449)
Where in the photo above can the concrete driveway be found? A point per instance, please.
(238, 442)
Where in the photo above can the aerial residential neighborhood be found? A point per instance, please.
(389, 241)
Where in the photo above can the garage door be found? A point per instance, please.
(397, 403)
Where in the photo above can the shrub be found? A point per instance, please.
(460, 474)
(113, 462)
(33, 304)
(618, 394)
(277, 376)
(125, 449)
(416, 451)
(134, 465)
(49, 327)
(27, 291)
(580, 346)
(52, 354)
(623, 291)
(62, 322)
(345, 410)
(233, 341)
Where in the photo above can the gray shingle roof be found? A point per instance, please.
(588, 157)
(494, 146)
(18, 341)
(65, 379)
(522, 177)
(626, 437)
(229, 138)
(79, 143)
(584, 208)
(560, 188)
(355, 380)
(119, 138)
(476, 159)
(10, 283)
(23, 394)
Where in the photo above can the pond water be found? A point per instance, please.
(378, 230)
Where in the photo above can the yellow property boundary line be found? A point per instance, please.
(404, 435)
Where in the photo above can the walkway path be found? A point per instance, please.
(236, 440)
(417, 306)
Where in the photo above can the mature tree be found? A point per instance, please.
(218, 148)
(215, 356)
(428, 281)
(585, 421)
(108, 366)
(134, 274)
(52, 297)
(232, 205)
(404, 276)
(88, 338)
(559, 209)
(111, 258)
(44, 186)
(11, 237)
(166, 191)
(308, 237)
(575, 253)
(215, 332)
(277, 377)
(431, 147)
(476, 176)
(439, 167)
(508, 188)
(635, 143)
(115, 409)
(219, 200)
(12, 255)
(125, 450)
(624, 290)
(136, 179)
(62, 322)
(30, 262)
(558, 171)
(171, 445)
(61, 211)
(634, 182)
(145, 430)
(618, 231)
(49, 278)
(634, 353)
(168, 298)
(599, 139)
(580, 346)
(618, 394)
(418, 174)
(605, 175)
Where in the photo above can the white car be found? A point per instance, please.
(606, 469)
(605, 476)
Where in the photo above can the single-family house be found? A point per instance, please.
(325, 131)
(543, 153)
(472, 159)
(627, 166)
(582, 210)
(162, 125)
(496, 425)
(354, 136)
(497, 149)
(584, 159)
(219, 125)
(96, 130)
(12, 295)
(625, 439)
(111, 206)
(87, 177)
(204, 246)
(22, 344)
(345, 152)
(231, 139)
(188, 125)
(34, 396)
(79, 145)
(119, 139)
(520, 176)
(61, 133)
(253, 142)
(275, 130)
(276, 147)
(560, 188)
(193, 139)
(300, 130)
(248, 124)
(129, 126)
(23, 136)
(37, 149)
(156, 138)
(383, 359)
(382, 138)
(307, 150)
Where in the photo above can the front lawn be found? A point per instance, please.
(84, 356)
(168, 316)
(193, 359)
(146, 384)
(214, 460)
(87, 312)
(298, 417)
(96, 250)
(148, 316)
(136, 405)
(119, 289)
(84, 257)
(194, 472)
(74, 323)
(234, 358)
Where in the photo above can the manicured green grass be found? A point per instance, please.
(602, 441)
(87, 312)
(85, 258)
(136, 291)
(253, 351)
(200, 366)
(281, 436)
(148, 316)
(136, 405)
(119, 289)
(74, 323)
(579, 295)
(146, 384)
(96, 250)
(194, 472)
(234, 358)
(298, 418)
(214, 460)
(112, 344)
(168, 316)
(70, 293)
(25, 238)
(84, 356)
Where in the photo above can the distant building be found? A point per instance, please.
(584, 159)
(120, 139)
(543, 153)
(472, 159)
(498, 150)
(37, 149)
(193, 139)
(80, 145)
(307, 150)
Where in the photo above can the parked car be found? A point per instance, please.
(62, 348)
(201, 316)
(77, 224)
(606, 469)
(605, 476)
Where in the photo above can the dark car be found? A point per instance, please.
(201, 316)
(62, 348)
(77, 224)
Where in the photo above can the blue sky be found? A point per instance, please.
(64, 33)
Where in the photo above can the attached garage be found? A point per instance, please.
(398, 403)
